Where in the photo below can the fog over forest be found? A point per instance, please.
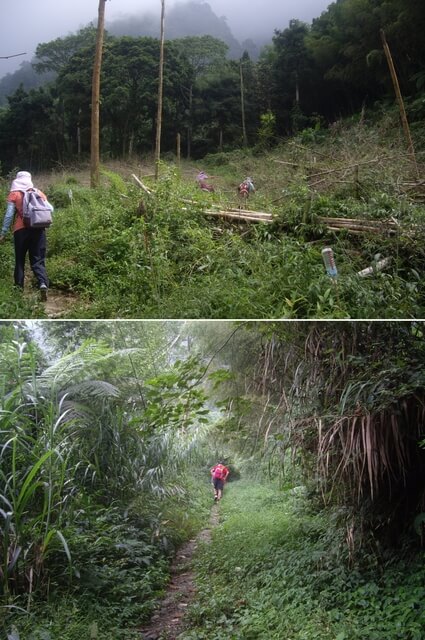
(47, 20)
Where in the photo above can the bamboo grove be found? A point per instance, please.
(308, 77)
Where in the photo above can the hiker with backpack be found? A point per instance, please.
(32, 214)
(246, 188)
(219, 474)
(201, 179)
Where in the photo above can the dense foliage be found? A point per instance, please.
(108, 429)
(119, 252)
(346, 402)
(95, 473)
(308, 76)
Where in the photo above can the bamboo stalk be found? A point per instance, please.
(259, 214)
(399, 97)
(349, 221)
(236, 216)
(143, 186)
(95, 106)
(348, 166)
(160, 93)
(360, 227)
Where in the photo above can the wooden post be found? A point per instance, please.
(160, 89)
(189, 126)
(297, 88)
(95, 101)
(400, 102)
(356, 181)
(244, 136)
(79, 134)
(178, 149)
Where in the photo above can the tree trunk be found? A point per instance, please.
(131, 145)
(95, 102)
(189, 126)
(79, 134)
(178, 149)
(297, 88)
(244, 136)
(160, 90)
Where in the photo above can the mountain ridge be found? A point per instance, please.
(183, 19)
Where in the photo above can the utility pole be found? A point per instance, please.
(160, 91)
(95, 101)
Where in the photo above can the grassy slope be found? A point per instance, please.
(174, 262)
(273, 573)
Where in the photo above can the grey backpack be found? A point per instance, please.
(36, 212)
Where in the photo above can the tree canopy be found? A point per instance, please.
(309, 74)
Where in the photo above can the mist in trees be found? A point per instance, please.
(104, 428)
(308, 76)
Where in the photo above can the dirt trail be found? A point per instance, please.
(59, 303)
(167, 622)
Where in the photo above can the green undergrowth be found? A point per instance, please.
(123, 253)
(13, 303)
(121, 555)
(273, 571)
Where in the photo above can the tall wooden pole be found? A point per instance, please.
(244, 136)
(178, 149)
(189, 126)
(95, 101)
(403, 115)
(160, 91)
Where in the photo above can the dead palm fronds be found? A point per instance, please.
(353, 410)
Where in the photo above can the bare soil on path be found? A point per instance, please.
(59, 303)
(168, 622)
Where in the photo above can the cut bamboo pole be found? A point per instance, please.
(399, 97)
(160, 93)
(236, 216)
(95, 101)
(143, 186)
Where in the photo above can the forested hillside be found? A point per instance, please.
(309, 76)
(108, 433)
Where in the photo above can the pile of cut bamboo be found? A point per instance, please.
(356, 226)
(243, 215)
(350, 225)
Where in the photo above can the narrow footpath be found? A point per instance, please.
(168, 622)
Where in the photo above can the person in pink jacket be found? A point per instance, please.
(219, 474)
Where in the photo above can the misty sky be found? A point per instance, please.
(25, 23)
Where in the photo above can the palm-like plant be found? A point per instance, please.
(70, 429)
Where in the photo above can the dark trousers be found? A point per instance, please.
(33, 242)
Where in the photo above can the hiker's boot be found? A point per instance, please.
(43, 292)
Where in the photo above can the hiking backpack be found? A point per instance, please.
(219, 472)
(36, 212)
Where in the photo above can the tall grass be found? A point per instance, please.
(89, 467)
